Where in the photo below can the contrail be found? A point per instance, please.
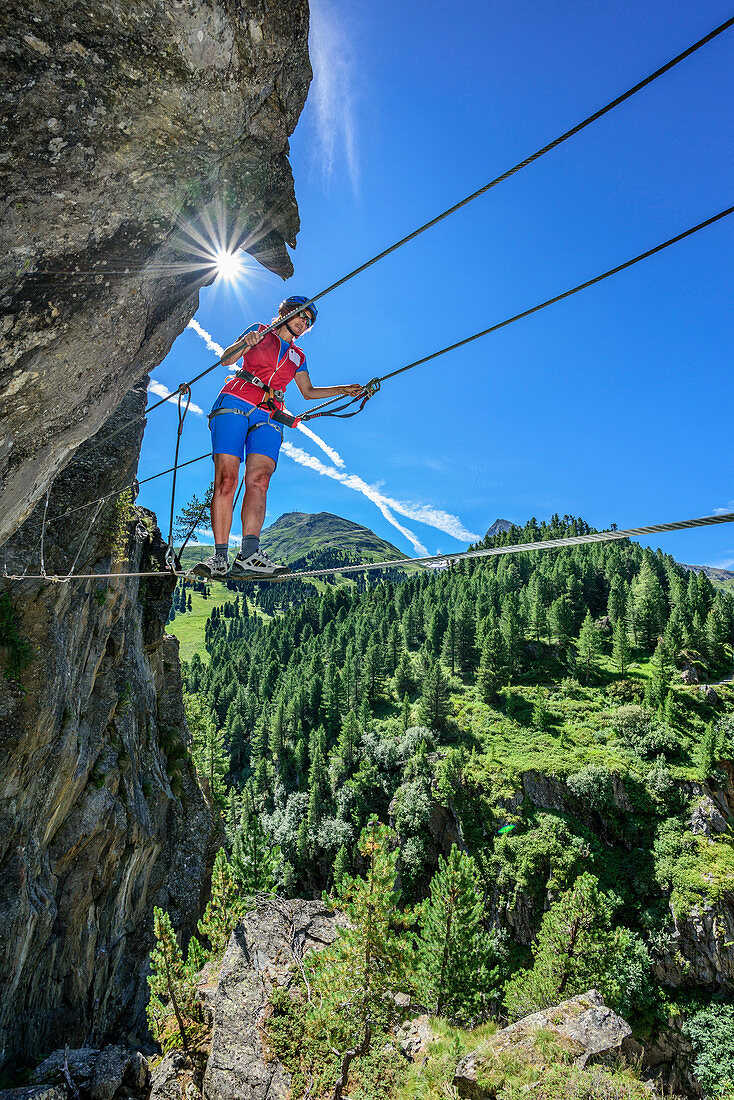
(352, 482)
(335, 457)
(163, 391)
(209, 340)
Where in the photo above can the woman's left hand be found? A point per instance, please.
(353, 391)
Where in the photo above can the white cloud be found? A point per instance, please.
(726, 563)
(160, 390)
(211, 343)
(332, 92)
(723, 512)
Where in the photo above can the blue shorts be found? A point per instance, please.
(249, 430)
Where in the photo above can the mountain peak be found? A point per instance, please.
(498, 528)
(294, 534)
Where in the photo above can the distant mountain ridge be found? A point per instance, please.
(723, 577)
(296, 535)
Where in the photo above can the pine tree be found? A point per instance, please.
(617, 602)
(576, 950)
(207, 746)
(405, 713)
(170, 985)
(433, 707)
(589, 645)
(512, 632)
(404, 679)
(342, 864)
(561, 620)
(356, 977)
(453, 975)
(256, 861)
(466, 650)
(344, 755)
(649, 603)
(621, 648)
(225, 906)
(492, 666)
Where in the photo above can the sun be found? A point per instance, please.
(229, 266)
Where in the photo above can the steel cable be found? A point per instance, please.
(493, 551)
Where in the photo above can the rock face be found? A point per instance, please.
(583, 1027)
(264, 951)
(101, 816)
(129, 133)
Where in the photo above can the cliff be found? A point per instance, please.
(128, 132)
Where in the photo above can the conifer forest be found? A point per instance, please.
(492, 770)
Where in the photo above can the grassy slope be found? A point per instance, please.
(189, 628)
(296, 534)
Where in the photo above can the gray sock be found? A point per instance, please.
(250, 545)
(221, 549)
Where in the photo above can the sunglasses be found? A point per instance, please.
(307, 317)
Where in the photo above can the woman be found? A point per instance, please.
(241, 427)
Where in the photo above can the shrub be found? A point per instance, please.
(625, 691)
(712, 1034)
(594, 786)
(639, 732)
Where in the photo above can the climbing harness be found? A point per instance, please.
(449, 559)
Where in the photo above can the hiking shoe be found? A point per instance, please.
(214, 568)
(257, 565)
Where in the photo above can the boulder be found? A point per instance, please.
(266, 951)
(710, 694)
(689, 675)
(414, 1036)
(582, 1027)
(173, 1079)
(114, 1073)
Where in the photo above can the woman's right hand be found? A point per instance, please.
(252, 338)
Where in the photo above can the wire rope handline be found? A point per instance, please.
(170, 560)
(442, 351)
(519, 548)
(492, 551)
(560, 297)
(474, 195)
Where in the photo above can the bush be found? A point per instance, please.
(594, 786)
(625, 691)
(639, 732)
(712, 1034)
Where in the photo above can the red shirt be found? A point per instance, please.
(269, 362)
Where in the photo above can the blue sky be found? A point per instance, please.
(615, 405)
